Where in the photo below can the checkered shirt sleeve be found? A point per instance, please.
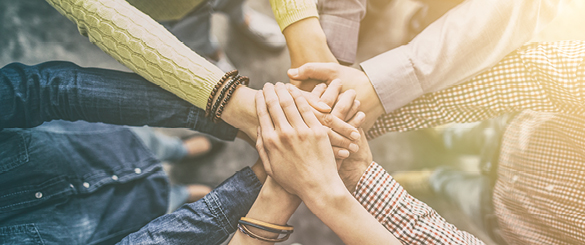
(409, 220)
(547, 77)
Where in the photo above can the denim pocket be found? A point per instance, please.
(13, 151)
(53, 190)
(26, 234)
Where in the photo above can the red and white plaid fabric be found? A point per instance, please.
(409, 220)
(539, 196)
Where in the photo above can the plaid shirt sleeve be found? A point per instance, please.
(546, 77)
(410, 220)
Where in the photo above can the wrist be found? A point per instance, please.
(327, 199)
(240, 112)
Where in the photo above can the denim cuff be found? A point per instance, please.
(221, 130)
(233, 198)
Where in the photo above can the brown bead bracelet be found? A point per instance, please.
(222, 93)
(223, 79)
(241, 80)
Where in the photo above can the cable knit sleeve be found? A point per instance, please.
(287, 12)
(143, 45)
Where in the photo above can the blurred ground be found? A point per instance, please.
(32, 32)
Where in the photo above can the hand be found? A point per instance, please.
(351, 79)
(292, 143)
(353, 167)
(345, 108)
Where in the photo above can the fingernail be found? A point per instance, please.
(293, 72)
(343, 153)
(324, 105)
(354, 148)
(354, 135)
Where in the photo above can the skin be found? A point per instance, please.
(296, 152)
(351, 78)
(345, 106)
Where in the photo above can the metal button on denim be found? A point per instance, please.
(137, 171)
(115, 177)
(38, 194)
(85, 184)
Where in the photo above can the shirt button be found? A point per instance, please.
(115, 177)
(514, 178)
(137, 171)
(38, 195)
(85, 184)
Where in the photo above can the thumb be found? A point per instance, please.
(318, 71)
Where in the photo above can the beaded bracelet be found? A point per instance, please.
(232, 89)
(221, 95)
(216, 88)
(251, 234)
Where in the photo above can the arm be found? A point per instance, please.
(31, 95)
(147, 48)
(296, 152)
(470, 38)
(273, 205)
(410, 220)
(539, 76)
(208, 221)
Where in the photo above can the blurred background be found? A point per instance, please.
(32, 32)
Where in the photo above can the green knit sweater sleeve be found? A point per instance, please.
(144, 46)
(287, 12)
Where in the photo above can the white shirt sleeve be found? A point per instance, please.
(468, 39)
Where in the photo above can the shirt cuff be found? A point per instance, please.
(393, 77)
(233, 198)
(342, 36)
(290, 17)
(374, 184)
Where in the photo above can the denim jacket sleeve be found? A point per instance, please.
(31, 95)
(207, 221)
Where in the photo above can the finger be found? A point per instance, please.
(262, 112)
(344, 104)
(289, 107)
(319, 90)
(274, 109)
(313, 100)
(340, 153)
(320, 71)
(338, 125)
(343, 142)
(358, 120)
(354, 109)
(332, 92)
(262, 152)
(305, 109)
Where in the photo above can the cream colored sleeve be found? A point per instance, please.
(287, 12)
(144, 46)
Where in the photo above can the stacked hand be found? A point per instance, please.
(351, 79)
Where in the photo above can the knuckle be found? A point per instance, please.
(286, 102)
(327, 119)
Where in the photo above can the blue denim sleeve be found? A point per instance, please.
(208, 221)
(31, 95)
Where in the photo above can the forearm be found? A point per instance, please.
(465, 41)
(208, 221)
(339, 210)
(273, 205)
(410, 220)
(306, 42)
(144, 46)
(49, 91)
(538, 76)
